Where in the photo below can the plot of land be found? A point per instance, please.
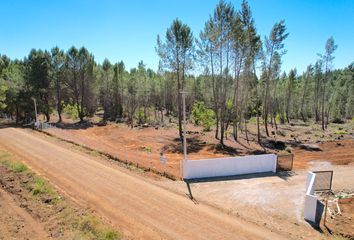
(269, 199)
(337, 152)
(143, 145)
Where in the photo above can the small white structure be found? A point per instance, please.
(221, 167)
(310, 198)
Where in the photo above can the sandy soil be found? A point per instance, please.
(143, 209)
(142, 146)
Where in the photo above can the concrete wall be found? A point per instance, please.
(310, 198)
(220, 167)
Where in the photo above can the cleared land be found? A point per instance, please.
(272, 200)
(142, 209)
(143, 146)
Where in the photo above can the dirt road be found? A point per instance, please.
(139, 208)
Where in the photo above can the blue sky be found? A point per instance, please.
(127, 30)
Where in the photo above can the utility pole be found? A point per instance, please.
(184, 124)
(185, 159)
(35, 108)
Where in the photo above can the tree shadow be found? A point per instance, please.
(223, 149)
(194, 145)
(9, 125)
(16, 125)
(273, 144)
(75, 126)
(282, 175)
(257, 152)
(189, 182)
(285, 175)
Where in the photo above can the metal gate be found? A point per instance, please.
(285, 162)
(323, 180)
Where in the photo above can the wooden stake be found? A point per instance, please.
(325, 215)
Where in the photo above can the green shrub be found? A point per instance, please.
(254, 120)
(92, 229)
(203, 116)
(288, 149)
(110, 235)
(40, 187)
(11, 165)
(279, 118)
(139, 115)
(18, 167)
(146, 149)
(340, 132)
(71, 111)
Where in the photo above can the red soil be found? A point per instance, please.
(143, 146)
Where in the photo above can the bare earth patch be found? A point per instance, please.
(343, 224)
(142, 146)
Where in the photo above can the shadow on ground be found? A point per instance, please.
(194, 145)
(74, 126)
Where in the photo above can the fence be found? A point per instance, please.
(310, 198)
(316, 181)
(285, 162)
(323, 180)
(43, 125)
(220, 167)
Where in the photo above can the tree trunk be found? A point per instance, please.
(317, 93)
(217, 124)
(323, 103)
(237, 78)
(17, 113)
(246, 131)
(303, 99)
(179, 108)
(258, 129)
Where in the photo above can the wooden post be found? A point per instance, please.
(325, 213)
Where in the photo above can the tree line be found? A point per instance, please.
(232, 75)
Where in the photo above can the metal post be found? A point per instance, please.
(325, 213)
(35, 108)
(184, 125)
(184, 134)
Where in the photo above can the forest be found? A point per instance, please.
(231, 74)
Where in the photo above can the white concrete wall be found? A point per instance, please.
(220, 167)
(310, 198)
